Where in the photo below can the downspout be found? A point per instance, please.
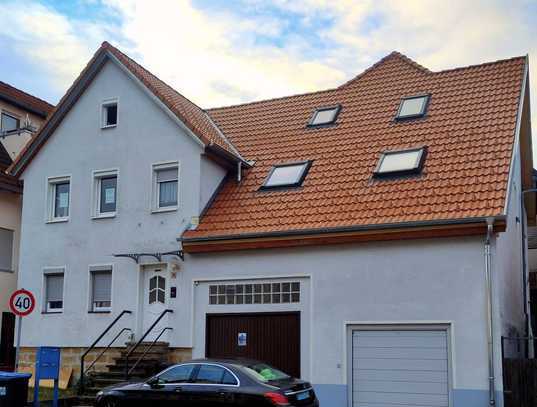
(488, 280)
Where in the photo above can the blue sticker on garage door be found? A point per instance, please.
(241, 339)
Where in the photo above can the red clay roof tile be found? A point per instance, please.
(469, 131)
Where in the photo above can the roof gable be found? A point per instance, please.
(24, 100)
(196, 120)
(469, 131)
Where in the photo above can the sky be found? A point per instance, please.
(222, 52)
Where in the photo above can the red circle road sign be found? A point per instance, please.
(22, 302)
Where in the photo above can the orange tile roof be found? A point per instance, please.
(25, 100)
(469, 130)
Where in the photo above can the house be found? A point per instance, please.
(20, 116)
(367, 238)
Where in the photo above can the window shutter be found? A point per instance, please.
(102, 286)
(55, 287)
(6, 250)
(167, 175)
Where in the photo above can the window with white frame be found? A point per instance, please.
(105, 193)
(101, 288)
(54, 290)
(109, 113)
(59, 198)
(165, 186)
(6, 250)
(257, 293)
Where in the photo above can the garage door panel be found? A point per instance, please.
(400, 368)
(404, 364)
(401, 342)
(399, 353)
(400, 375)
(401, 398)
(404, 387)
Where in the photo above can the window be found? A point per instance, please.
(257, 293)
(54, 292)
(287, 175)
(401, 162)
(177, 374)
(109, 114)
(6, 250)
(165, 186)
(59, 190)
(101, 288)
(264, 372)
(412, 107)
(9, 123)
(157, 290)
(212, 374)
(105, 193)
(324, 116)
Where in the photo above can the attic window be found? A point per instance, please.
(401, 162)
(412, 107)
(287, 175)
(109, 114)
(324, 116)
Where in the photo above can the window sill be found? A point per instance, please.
(7, 271)
(100, 312)
(51, 312)
(110, 126)
(58, 220)
(104, 216)
(165, 209)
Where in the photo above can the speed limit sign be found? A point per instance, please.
(22, 302)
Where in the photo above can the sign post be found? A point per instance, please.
(21, 303)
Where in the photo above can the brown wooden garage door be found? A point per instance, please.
(272, 338)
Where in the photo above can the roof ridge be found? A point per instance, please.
(28, 94)
(212, 109)
(498, 61)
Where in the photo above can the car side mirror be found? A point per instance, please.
(154, 383)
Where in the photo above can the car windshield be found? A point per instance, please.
(265, 373)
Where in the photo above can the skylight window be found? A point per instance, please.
(324, 116)
(401, 162)
(287, 175)
(412, 107)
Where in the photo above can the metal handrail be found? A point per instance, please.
(81, 381)
(148, 349)
(141, 340)
(105, 349)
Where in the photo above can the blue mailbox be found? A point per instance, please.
(47, 366)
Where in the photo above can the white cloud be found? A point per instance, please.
(214, 57)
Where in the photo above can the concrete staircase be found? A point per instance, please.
(153, 362)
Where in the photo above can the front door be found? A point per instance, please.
(155, 300)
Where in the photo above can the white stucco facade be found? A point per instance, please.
(426, 282)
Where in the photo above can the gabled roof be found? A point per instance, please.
(194, 118)
(24, 100)
(469, 131)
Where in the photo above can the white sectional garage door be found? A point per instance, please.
(399, 368)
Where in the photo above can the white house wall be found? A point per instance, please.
(144, 135)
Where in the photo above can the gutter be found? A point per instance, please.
(488, 282)
(344, 229)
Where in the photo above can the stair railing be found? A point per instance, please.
(127, 371)
(88, 350)
(105, 349)
(148, 349)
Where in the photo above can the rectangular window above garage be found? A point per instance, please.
(412, 107)
(287, 175)
(401, 162)
(257, 293)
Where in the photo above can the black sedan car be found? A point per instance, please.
(212, 382)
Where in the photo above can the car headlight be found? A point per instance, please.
(100, 393)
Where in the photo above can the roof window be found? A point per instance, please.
(412, 107)
(324, 116)
(287, 175)
(401, 162)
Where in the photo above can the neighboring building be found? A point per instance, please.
(20, 116)
(344, 235)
